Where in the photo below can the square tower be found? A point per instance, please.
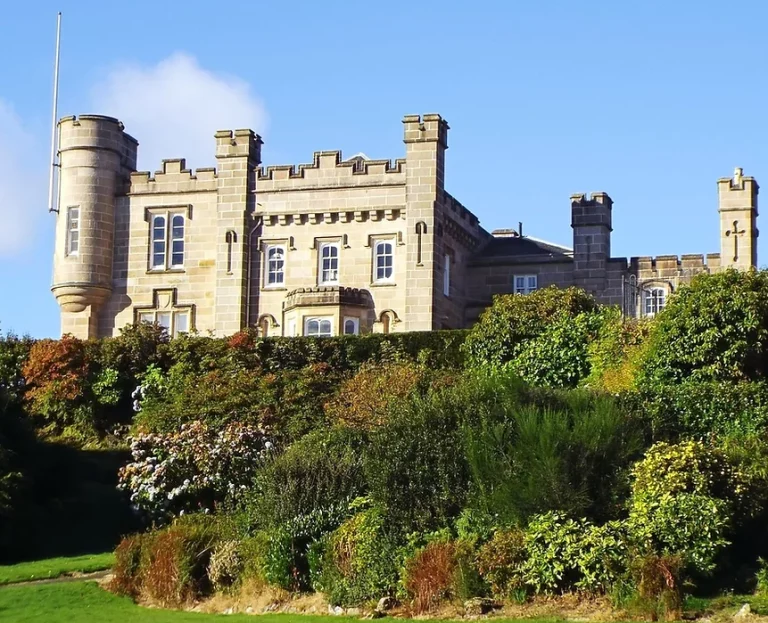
(737, 205)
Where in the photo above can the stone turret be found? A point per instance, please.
(591, 223)
(737, 205)
(96, 158)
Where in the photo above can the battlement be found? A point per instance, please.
(450, 203)
(328, 169)
(738, 192)
(174, 177)
(239, 144)
(595, 210)
(673, 265)
(98, 132)
(430, 128)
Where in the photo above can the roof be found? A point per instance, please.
(516, 246)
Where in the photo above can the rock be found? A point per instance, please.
(353, 612)
(336, 610)
(385, 603)
(249, 610)
(229, 611)
(744, 613)
(480, 605)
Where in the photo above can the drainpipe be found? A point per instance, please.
(249, 260)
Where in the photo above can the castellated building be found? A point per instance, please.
(330, 247)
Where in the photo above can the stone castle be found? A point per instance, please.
(331, 247)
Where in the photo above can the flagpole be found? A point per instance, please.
(51, 206)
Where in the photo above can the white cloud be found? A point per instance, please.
(22, 182)
(173, 108)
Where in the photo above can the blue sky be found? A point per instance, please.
(649, 101)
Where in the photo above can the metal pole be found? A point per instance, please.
(51, 206)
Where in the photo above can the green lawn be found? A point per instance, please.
(85, 602)
(54, 567)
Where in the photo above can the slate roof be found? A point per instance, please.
(521, 246)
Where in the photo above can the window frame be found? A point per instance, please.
(328, 244)
(173, 331)
(319, 320)
(447, 275)
(375, 261)
(71, 230)
(526, 288)
(649, 300)
(355, 322)
(168, 239)
(269, 247)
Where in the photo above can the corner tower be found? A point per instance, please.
(737, 205)
(95, 158)
(592, 226)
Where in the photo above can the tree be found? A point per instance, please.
(714, 329)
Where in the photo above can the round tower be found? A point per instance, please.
(95, 156)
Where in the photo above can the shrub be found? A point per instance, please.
(415, 464)
(715, 329)
(505, 328)
(361, 561)
(13, 353)
(321, 470)
(287, 404)
(683, 501)
(286, 561)
(615, 355)
(226, 566)
(530, 454)
(429, 574)
(706, 409)
(564, 554)
(126, 578)
(364, 400)
(193, 469)
(57, 374)
(559, 355)
(500, 562)
(659, 585)
(175, 563)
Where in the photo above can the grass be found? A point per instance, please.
(86, 602)
(54, 567)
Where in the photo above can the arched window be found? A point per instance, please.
(351, 326)
(158, 242)
(383, 261)
(177, 241)
(275, 265)
(329, 263)
(654, 300)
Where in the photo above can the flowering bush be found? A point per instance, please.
(193, 469)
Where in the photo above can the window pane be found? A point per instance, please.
(350, 326)
(313, 327)
(325, 327)
(384, 260)
(164, 320)
(147, 317)
(182, 323)
(275, 265)
(158, 228)
(73, 230)
(532, 282)
(178, 226)
(329, 265)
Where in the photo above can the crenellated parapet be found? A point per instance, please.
(327, 295)
(328, 169)
(673, 266)
(173, 177)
